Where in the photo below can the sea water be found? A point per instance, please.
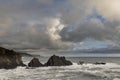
(87, 71)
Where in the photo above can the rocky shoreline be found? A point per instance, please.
(10, 59)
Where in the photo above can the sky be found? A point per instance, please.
(59, 24)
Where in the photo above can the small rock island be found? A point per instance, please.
(52, 61)
(35, 63)
(58, 61)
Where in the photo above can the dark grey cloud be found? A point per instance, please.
(94, 28)
(31, 35)
(30, 24)
(53, 24)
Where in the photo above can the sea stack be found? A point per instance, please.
(57, 61)
(10, 59)
(35, 63)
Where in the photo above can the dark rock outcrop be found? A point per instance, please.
(57, 61)
(10, 59)
(99, 63)
(35, 63)
(81, 62)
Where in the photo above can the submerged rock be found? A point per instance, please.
(81, 62)
(35, 63)
(10, 59)
(57, 61)
(99, 63)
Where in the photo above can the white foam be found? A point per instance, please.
(21, 73)
(116, 79)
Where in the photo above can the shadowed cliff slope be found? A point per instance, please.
(10, 59)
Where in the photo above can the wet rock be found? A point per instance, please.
(35, 63)
(81, 62)
(10, 59)
(57, 61)
(99, 63)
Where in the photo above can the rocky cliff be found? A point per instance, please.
(10, 59)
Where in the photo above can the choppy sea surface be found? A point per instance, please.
(87, 71)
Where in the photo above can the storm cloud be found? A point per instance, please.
(57, 24)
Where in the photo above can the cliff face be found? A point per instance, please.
(10, 59)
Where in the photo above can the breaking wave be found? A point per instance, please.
(109, 71)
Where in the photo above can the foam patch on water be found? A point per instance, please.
(116, 79)
(109, 70)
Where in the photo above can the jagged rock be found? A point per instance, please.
(10, 59)
(57, 61)
(35, 63)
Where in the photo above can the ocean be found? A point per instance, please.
(87, 71)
